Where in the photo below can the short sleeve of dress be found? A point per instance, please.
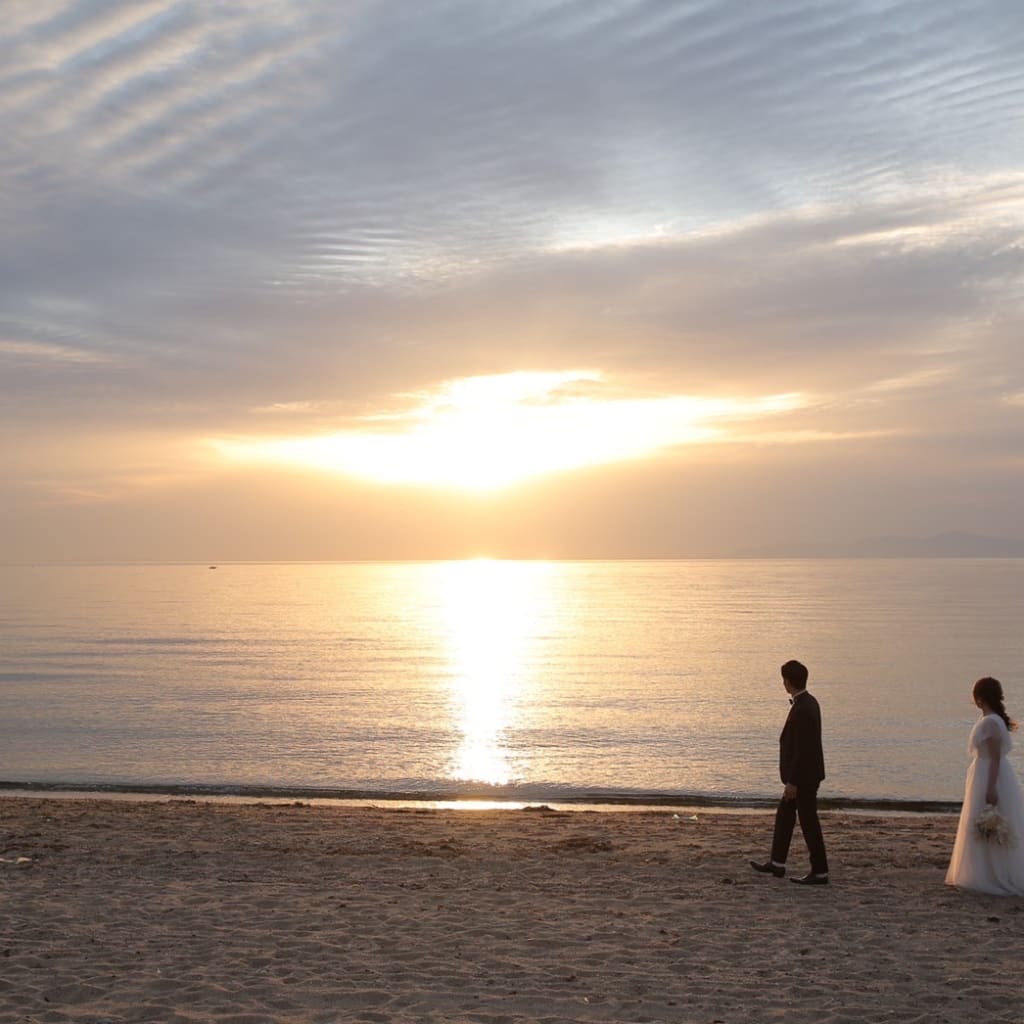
(990, 727)
(987, 729)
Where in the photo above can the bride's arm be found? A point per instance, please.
(992, 749)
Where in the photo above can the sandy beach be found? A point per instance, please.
(177, 911)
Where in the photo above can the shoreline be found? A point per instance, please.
(184, 911)
(547, 796)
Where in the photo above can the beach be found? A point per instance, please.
(251, 913)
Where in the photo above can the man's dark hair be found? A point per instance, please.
(795, 673)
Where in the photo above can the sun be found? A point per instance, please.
(491, 432)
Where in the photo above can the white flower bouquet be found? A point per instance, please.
(992, 827)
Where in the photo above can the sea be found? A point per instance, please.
(599, 682)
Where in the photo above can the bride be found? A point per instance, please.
(980, 863)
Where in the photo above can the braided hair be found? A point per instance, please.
(990, 691)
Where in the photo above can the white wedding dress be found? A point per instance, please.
(978, 863)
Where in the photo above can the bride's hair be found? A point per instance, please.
(990, 691)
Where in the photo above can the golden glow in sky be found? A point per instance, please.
(485, 433)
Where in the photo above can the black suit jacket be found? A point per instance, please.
(801, 760)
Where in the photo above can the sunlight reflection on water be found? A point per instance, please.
(490, 615)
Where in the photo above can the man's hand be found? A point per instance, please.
(789, 793)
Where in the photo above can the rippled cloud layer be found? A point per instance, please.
(271, 223)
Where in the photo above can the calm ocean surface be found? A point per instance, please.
(522, 680)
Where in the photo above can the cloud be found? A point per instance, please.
(17, 350)
(221, 217)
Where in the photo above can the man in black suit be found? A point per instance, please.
(802, 768)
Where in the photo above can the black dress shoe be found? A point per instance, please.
(811, 879)
(768, 868)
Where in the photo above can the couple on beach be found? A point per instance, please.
(988, 855)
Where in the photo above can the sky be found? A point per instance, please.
(550, 279)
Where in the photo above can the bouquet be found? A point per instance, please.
(992, 827)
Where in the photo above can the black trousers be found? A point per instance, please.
(806, 807)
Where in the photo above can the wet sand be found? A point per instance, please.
(178, 911)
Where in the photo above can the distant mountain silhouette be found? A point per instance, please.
(951, 544)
